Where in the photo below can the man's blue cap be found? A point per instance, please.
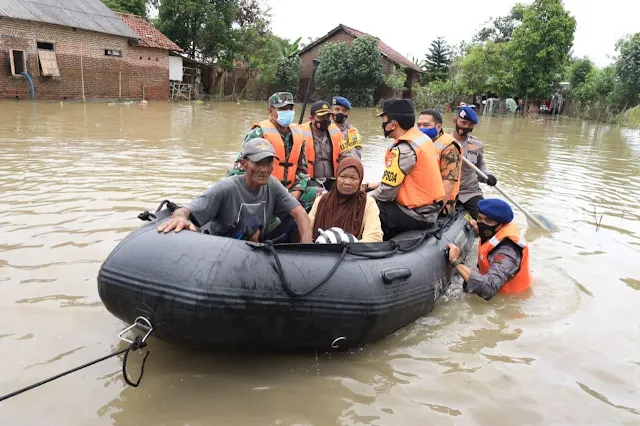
(467, 113)
(340, 101)
(496, 209)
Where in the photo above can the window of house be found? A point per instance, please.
(18, 61)
(43, 45)
(112, 52)
(47, 59)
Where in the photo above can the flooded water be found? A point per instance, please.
(73, 178)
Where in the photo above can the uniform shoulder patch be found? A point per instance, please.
(392, 175)
(352, 141)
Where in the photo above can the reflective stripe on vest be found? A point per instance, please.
(285, 168)
(336, 139)
(522, 280)
(443, 141)
(423, 185)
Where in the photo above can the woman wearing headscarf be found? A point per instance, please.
(347, 207)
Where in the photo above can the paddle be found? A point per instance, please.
(538, 220)
(306, 95)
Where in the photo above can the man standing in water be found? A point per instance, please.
(289, 143)
(503, 253)
(473, 150)
(243, 206)
(341, 109)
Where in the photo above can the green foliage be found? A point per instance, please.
(500, 29)
(137, 7)
(628, 71)
(485, 69)
(354, 71)
(211, 30)
(438, 94)
(287, 73)
(438, 60)
(579, 70)
(539, 48)
(396, 79)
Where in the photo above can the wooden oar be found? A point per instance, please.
(539, 220)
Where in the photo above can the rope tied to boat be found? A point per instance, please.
(139, 342)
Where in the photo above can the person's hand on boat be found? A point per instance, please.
(368, 187)
(177, 223)
(454, 252)
(492, 180)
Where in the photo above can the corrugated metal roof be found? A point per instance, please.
(90, 15)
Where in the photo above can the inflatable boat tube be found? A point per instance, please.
(214, 293)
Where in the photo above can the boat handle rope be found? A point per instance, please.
(137, 343)
(270, 246)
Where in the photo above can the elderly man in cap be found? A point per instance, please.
(341, 108)
(243, 206)
(289, 143)
(473, 150)
(410, 195)
(503, 253)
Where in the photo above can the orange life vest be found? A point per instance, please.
(522, 279)
(285, 168)
(336, 139)
(423, 185)
(443, 141)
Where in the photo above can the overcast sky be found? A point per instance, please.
(411, 27)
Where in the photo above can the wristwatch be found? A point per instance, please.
(456, 262)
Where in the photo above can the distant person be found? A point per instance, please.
(341, 108)
(410, 194)
(289, 143)
(449, 155)
(503, 253)
(473, 150)
(347, 207)
(242, 206)
(328, 147)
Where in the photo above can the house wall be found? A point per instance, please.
(79, 54)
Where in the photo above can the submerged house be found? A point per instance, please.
(75, 49)
(391, 60)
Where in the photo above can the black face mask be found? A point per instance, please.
(386, 132)
(322, 125)
(486, 231)
(463, 131)
(340, 118)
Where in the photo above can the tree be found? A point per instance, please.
(500, 29)
(396, 79)
(486, 69)
(438, 60)
(540, 47)
(627, 71)
(579, 70)
(137, 7)
(210, 30)
(354, 71)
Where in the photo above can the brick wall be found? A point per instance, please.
(105, 77)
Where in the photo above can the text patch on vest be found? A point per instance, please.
(353, 141)
(392, 175)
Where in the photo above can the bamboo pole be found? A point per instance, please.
(82, 75)
(120, 85)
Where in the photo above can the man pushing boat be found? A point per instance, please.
(243, 206)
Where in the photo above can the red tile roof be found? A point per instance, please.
(387, 51)
(149, 35)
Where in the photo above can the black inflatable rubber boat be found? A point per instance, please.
(215, 293)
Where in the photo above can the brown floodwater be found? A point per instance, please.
(73, 178)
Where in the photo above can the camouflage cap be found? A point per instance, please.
(280, 99)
